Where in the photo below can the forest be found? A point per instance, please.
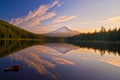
(9, 31)
(101, 35)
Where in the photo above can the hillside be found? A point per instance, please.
(8, 30)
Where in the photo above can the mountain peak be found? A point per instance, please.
(62, 32)
(65, 27)
(62, 29)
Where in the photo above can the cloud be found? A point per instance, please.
(85, 22)
(34, 18)
(46, 28)
(63, 19)
(37, 20)
(115, 19)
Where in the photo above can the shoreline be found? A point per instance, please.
(69, 41)
(117, 42)
(21, 39)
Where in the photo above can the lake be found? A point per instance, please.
(59, 61)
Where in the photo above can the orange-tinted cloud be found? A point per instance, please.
(46, 28)
(63, 19)
(62, 61)
(113, 19)
(34, 18)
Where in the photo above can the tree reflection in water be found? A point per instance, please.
(44, 57)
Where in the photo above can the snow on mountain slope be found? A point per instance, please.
(62, 32)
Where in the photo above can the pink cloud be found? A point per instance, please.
(63, 19)
(34, 18)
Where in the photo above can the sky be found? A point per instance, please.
(43, 16)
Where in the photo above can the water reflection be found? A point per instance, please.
(113, 62)
(62, 47)
(33, 57)
(10, 46)
(60, 61)
(103, 47)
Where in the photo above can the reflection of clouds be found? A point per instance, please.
(87, 50)
(41, 58)
(33, 60)
(90, 55)
(44, 50)
(62, 61)
(112, 62)
(44, 59)
(86, 58)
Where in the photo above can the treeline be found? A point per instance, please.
(102, 35)
(8, 47)
(9, 31)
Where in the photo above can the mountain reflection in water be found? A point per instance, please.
(59, 61)
(33, 57)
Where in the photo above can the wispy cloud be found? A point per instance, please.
(115, 19)
(63, 19)
(46, 28)
(34, 18)
(86, 22)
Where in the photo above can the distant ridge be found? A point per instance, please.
(62, 32)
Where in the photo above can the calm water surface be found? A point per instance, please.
(59, 61)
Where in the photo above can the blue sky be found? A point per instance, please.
(42, 16)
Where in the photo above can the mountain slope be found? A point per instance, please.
(8, 30)
(62, 32)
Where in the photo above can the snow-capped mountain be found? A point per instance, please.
(62, 47)
(62, 32)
